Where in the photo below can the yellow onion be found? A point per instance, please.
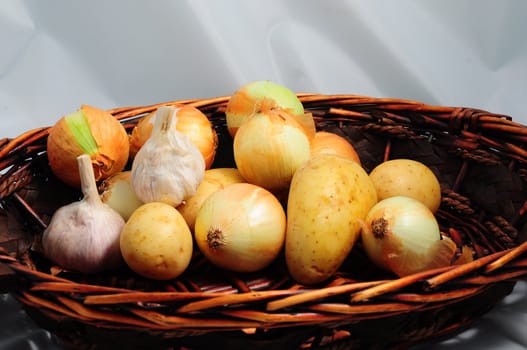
(241, 228)
(326, 142)
(213, 180)
(191, 122)
(269, 147)
(255, 96)
(91, 131)
(464, 256)
(401, 234)
(117, 192)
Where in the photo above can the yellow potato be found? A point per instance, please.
(406, 177)
(156, 242)
(328, 197)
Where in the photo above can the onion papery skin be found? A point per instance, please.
(255, 96)
(326, 142)
(110, 157)
(213, 180)
(241, 228)
(269, 147)
(191, 122)
(401, 234)
(117, 192)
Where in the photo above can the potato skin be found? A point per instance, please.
(328, 197)
(407, 177)
(156, 242)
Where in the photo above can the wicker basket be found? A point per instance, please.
(478, 156)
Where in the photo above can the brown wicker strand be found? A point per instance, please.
(455, 201)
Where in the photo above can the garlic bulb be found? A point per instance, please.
(191, 122)
(169, 167)
(84, 236)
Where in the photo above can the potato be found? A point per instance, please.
(328, 197)
(407, 177)
(156, 242)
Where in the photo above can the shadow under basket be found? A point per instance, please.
(479, 158)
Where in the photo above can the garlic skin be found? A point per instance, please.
(169, 167)
(191, 122)
(84, 236)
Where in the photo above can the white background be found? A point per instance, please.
(56, 55)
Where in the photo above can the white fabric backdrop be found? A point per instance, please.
(57, 55)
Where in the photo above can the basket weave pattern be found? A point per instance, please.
(479, 158)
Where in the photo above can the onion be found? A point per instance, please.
(269, 147)
(241, 228)
(213, 180)
(191, 122)
(401, 234)
(326, 142)
(255, 96)
(117, 192)
(90, 131)
(464, 256)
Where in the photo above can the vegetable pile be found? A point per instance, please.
(153, 200)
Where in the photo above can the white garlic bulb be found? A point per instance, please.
(84, 236)
(168, 168)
